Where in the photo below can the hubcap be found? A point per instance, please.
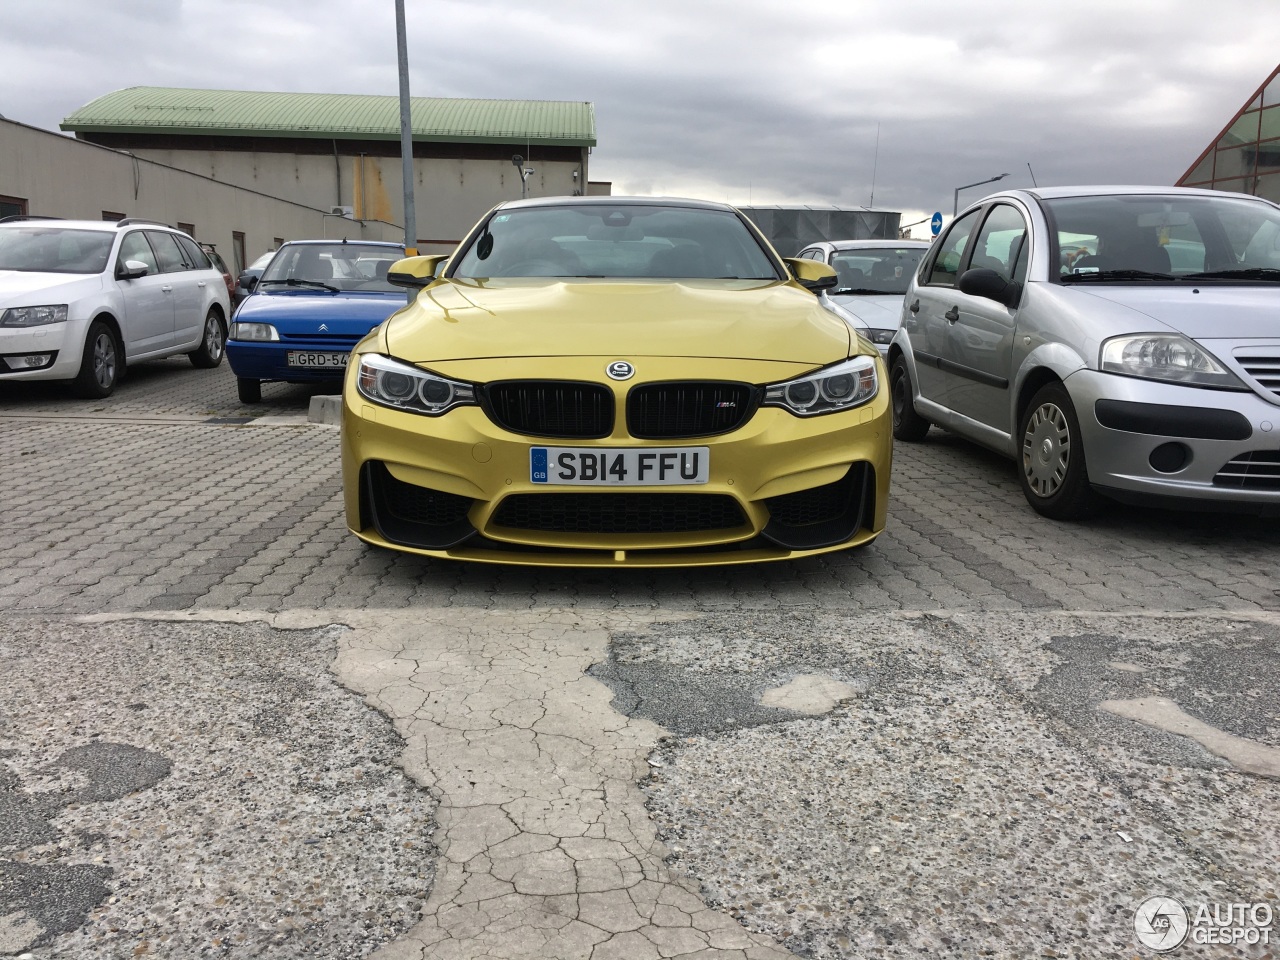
(104, 360)
(1046, 450)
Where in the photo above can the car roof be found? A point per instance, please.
(390, 245)
(838, 245)
(613, 202)
(1121, 190)
(106, 226)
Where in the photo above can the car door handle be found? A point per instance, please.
(167, 289)
(202, 283)
(952, 315)
(915, 306)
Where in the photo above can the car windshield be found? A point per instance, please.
(616, 241)
(1154, 239)
(358, 267)
(49, 249)
(875, 270)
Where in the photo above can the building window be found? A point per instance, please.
(112, 216)
(13, 207)
(237, 251)
(188, 228)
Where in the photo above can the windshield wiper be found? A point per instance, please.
(863, 291)
(1104, 275)
(1240, 273)
(295, 282)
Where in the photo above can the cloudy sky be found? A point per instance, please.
(745, 101)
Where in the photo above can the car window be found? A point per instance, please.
(358, 267)
(196, 258)
(134, 246)
(1111, 238)
(999, 243)
(945, 268)
(875, 270)
(168, 253)
(44, 249)
(615, 241)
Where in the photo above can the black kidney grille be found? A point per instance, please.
(689, 409)
(1256, 470)
(619, 512)
(551, 408)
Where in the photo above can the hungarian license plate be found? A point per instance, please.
(300, 358)
(639, 467)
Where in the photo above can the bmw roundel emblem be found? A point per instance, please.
(620, 370)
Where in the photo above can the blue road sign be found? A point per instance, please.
(936, 223)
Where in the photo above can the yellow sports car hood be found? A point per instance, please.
(731, 319)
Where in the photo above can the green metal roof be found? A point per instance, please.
(342, 116)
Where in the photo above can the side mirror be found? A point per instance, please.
(811, 274)
(415, 271)
(248, 282)
(981, 282)
(132, 270)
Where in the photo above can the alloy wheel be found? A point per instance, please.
(104, 360)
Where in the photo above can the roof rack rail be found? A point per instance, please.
(128, 220)
(26, 216)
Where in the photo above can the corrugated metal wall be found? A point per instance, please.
(789, 229)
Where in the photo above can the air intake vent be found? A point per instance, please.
(1256, 470)
(619, 512)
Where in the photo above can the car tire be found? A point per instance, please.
(213, 343)
(907, 424)
(100, 365)
(250, 391)
(1051, 458)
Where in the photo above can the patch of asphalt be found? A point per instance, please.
(967, 803)
(198, 789)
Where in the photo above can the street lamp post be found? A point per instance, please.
(955, 206)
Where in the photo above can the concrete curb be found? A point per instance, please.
(326, 409)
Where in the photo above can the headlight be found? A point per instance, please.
(847, 384)
(1166, 356)
(395, 384)
(254, 331)
(34, 316)
(879, 336)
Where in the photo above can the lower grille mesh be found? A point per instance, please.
(1256, 470)
(619, 512)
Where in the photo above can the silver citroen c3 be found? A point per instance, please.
(1118, 342)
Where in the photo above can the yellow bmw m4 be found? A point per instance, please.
(606, 381)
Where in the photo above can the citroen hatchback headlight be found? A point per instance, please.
(1166, 356)
(847, 384)
(254, 331)
(406, 387)
(34, 316)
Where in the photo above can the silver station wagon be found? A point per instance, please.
(1116, 341)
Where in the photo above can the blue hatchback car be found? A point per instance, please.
(315, 300)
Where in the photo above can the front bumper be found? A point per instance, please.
(1148, 442)
(269, 360)
(65, 340)
(458, 486)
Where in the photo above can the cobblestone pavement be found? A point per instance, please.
(971, 729)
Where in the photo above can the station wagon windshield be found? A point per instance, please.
(44, 249)
(616, 241)
(1164, 239)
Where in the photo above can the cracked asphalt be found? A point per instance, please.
(232, 730)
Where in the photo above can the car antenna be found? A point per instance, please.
(1033, 175)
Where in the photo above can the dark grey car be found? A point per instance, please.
(1122, 341)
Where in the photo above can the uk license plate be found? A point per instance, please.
(627, 467)
(301, 358)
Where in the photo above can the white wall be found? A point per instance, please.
(63, 177)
